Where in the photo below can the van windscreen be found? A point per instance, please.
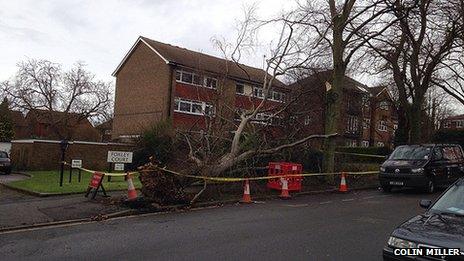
(3, 154)
(411, 153)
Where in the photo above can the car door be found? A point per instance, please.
(437, 166)
(450, 163)
(459, 171)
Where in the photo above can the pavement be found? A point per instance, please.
(328, 226)
(18, 209)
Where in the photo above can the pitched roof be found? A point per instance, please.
(18, 119)
(105, 125)
(376, 90)
(180, 56)
(52, 117)
(456, 117)
(325, 76)
(349, 84)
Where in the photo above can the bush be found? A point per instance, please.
(449, 136)
(158, 141)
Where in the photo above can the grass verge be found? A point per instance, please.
(48, 182)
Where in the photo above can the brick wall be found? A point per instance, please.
(46, 155)
(142, 92)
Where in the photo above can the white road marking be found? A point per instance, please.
(325, 202)
(349, 199)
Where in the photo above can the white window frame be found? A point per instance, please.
(459, 124)
(384, 105)
(353, 124)
(382, 126)
(203, 79)
(243, 88)
(204, 107)
(307, 120)
(351, 143)
(380, 144)
(366, 123)
(365, 143)
(258, 92)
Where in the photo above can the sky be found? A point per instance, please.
(100, 33)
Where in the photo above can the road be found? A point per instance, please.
(315, 227)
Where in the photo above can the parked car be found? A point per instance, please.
(422, 166)
(441, 226)
(5, 163)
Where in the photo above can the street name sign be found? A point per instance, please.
(119, 157)
(75, 163)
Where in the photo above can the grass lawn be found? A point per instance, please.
(49, 182)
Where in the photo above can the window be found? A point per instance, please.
(446, 124)
(351, 143)
(365, 100)
(366, 123)
(380, 144)
(258, 92)
(459, 124)
(352, 124)
(365, 143)
(239, 88)
(437, 153)
(384, 105)
(187, 77)
(277, 96)
(395, 126)
(307, 120)
(193, 107)
(211, 82)
(382, 126)
(195, 79)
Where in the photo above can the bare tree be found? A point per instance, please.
(342, 30)
(415, 51)
(75, 94)
(215, 152)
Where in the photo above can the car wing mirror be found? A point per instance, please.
(387, 156)
(425, 203)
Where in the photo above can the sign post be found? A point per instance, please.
(95, 184)
(75, 164)
(119, 166)
(118, 158)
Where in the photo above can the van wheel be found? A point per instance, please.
(430, 188)
(386, 188)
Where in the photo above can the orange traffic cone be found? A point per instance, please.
(246, 193)
(343, 186)
(131, 192)
(284, 194)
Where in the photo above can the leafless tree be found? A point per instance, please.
(415, 51)
(247, 139)
(44, 85)
(342, 29)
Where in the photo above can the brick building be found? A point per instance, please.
(157, 81)
(368, 116)
(43, 124)
(20, 127)
(453, 123)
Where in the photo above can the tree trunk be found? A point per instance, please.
(402, 133)
(334, 98)
(415, 123)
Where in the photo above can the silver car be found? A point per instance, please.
(5, 163)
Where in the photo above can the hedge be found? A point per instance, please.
(449, 136)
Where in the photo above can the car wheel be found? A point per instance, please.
(386, 188)
(430, 188)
